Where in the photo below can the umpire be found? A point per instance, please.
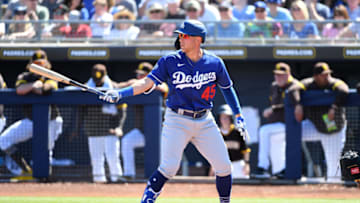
(326, 124)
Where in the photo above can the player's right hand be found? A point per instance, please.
(111, 96)
(241, 126)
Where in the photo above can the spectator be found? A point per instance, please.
(272, 136)
(75, 30)
(22, 130)
(124, 31)
(135, 138)
(128, 4)
(208, 12)
(103, 125)
(277, 12)
(51, 5)
(57, 29)
(101, 20)
(232, 29)
(36, 11)
(193, 10)
(262, 29)
(353, 9)
(79, 6)
(318, 11)
(326, 124)
(235, 144)
(174, 10)
(157, 12)
(88, 4)
(303, 29)
(11, 7)
(20, 30)
(242, 10)
(145, 5)
(331, 30)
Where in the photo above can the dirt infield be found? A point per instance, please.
(175, 190)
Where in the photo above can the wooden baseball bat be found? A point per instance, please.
(61, 78)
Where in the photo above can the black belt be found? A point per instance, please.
(189, 113)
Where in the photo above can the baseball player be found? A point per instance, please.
(2, 117)
(236, 145)
(22, 130)
(103, 125)
(272, 135)
(135, 138)
(192, 75)
(326, 124)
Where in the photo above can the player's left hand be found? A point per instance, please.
(241, 126)
(111, 96)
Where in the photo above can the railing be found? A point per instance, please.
(161, 32)
(68, 100)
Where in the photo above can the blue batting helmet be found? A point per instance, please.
(193, 28)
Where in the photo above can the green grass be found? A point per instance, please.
(162, 200)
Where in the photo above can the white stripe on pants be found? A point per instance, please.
(105, 147)
(130, 141)
(332, 144)
(272, 146)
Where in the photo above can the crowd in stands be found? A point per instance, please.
(123, 19)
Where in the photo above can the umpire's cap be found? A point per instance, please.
(193, 28)
(225, 109)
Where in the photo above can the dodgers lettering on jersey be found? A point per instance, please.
(192, 85)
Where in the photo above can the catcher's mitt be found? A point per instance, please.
(350, 166)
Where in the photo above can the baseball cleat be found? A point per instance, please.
(149, 195)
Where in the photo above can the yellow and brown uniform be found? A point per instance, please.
(315, 113)
(235, 144)
(277, 96)
(28, 77)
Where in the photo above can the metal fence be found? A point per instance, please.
(140, 32)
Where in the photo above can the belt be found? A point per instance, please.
(189, 113)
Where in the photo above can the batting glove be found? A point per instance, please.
(241, 126)
(111, 96)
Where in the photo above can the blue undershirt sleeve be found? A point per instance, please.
(231, 99)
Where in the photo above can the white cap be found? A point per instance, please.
(74, 15)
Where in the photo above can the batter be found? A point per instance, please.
(192, 75)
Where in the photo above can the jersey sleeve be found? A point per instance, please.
(223, 78)
(159, 73)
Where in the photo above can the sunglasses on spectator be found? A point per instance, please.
(20, 13)
(259, 10)
(184, 36)
(191, 10)
(222, 9)
(123, 17)
(156, 11)
(295, 9)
